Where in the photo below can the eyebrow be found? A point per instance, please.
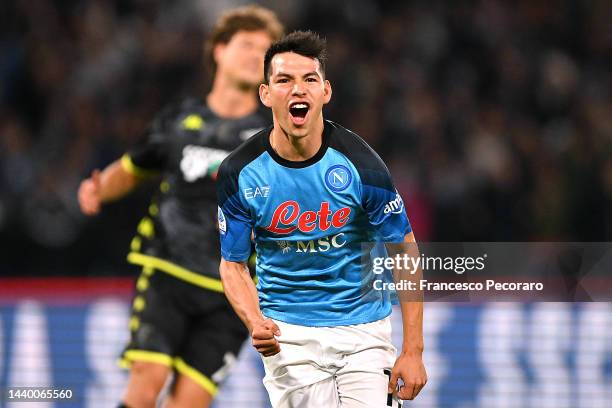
(284, 74)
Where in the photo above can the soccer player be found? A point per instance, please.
(181, 320)
(312, 193)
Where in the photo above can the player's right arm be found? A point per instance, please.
(242, 294)
(110, 184)
(235, 228)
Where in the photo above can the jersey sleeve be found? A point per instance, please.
(234, 218)
(383, 204)
(149, 157)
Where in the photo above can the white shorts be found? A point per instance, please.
(328, 367)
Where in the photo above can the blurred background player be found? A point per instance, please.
(181, 320)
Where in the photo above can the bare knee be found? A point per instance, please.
(145, 383)
(187, 394)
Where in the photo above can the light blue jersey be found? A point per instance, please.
(310, 222)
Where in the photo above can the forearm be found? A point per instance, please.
(412, 319)
(241, 292)
(116, 182)
(409, 365)
(412, 305)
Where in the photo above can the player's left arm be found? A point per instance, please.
(388, 219)
(409, 365)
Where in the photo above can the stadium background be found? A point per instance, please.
(495, 118)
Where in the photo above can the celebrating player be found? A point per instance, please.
(181, 320)
(312, 192)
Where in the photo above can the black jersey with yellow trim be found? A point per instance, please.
(185, 145)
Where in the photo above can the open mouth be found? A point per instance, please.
(298, 112)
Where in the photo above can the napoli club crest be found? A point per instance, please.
(338, 177)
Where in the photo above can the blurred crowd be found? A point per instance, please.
(495, 117)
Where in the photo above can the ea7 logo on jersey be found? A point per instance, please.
(199, 161)
(395, 206)
(254, 192)
(289, 212)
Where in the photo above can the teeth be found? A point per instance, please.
(300, 106)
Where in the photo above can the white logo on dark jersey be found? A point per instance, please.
(395, 206)
(199, 161)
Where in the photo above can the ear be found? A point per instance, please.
(264, 95)
(327, 92)
(218, 51)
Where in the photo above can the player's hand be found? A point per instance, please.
(411, 370)
(263, 337)
(89, 194)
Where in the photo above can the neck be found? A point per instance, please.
(297, 148)
(229, 100)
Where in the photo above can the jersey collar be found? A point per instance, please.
(327, 128)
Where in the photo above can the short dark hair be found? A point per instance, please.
(306, 43)
(247, 18)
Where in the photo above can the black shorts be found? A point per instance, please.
(192, 330)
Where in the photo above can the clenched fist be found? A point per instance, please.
(263, 337)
